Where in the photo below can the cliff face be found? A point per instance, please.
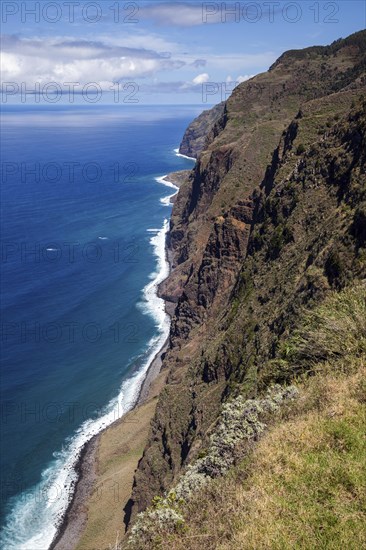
(202, 130)
(269, 221)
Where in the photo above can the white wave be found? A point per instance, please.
(37, 515)
(166, 182)
(178, 154)
(103, 238)
(151, 303)
(166, 200)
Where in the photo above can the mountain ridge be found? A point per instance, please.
(223, 197)
(225, 216)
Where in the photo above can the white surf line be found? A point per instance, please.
(178, 154)
(167, 183)
(38, 513)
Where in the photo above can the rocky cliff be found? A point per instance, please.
(270, 221)
(202, 131)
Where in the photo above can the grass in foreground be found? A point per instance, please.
(303, 487)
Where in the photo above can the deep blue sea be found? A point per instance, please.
(83, 228)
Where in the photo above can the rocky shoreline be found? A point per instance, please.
(75, 519)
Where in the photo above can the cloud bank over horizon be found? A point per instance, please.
(170, 50)
(64, 60)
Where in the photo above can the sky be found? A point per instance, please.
(155, 52)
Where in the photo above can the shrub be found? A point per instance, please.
(334, 330)
(334, 269)
(240, 420)
(300, 149)
(359, 225)
(281, 236)
(163, 516)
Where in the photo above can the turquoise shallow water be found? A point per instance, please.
(81, 214)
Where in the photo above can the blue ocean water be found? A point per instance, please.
(82, 237)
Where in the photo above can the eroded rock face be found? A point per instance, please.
(208, 286)
(266, 224)
(201, 130)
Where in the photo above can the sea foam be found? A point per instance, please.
(38, 513)
(166, 200)
(178, 154)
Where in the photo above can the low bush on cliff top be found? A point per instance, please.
(333, 335)
(240, 420)
(335, 330)
(304, 485)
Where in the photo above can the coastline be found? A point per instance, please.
(75, 518)
(176, 151)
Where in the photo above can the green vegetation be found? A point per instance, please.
(334, 331)
(303, 485)
(300, 149)
(240, 421)
(281, 236)
(270, 283)
(359, 225)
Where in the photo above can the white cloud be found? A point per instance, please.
(64, 60)
(231, 63)
(192, 12)
(242, 61)
(107, 60)
(244, 78)
(140, 39)
(201, 79)
(181, 14)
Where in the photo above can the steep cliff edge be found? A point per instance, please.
(202, 130)
(294, 448)
(271, 220)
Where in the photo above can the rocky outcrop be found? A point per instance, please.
(266, 224)
(202, 131)
(207, 287)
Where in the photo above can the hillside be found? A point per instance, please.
(270, 222)
(263, 398)
(287, 470)
(199, 131)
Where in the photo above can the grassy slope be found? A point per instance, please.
(304, 484)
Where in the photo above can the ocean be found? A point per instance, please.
(84, 217)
